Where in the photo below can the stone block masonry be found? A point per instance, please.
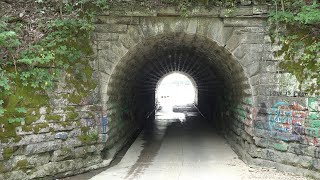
(230, 56)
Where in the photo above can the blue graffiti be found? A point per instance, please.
(279, 117)
(287, 120)
(104, 121)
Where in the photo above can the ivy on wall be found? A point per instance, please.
(183, 6)
(36, 47)
(295, 26)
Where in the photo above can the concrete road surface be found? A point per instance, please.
(183, 146)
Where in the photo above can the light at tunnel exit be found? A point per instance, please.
(175, 89)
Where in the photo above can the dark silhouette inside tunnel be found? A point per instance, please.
(220, 80)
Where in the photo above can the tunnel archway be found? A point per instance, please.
(221, 81)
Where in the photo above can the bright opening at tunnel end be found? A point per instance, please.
(175, 89)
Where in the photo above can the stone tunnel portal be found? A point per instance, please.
(220, 79)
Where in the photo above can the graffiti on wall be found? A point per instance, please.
(314, 107)
(104, 123)
(270, 155)
(289, 121)
(314, 104)
(287, 118)
(250, 114)
(295, 93)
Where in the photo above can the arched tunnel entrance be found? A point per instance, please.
(220, 88)
(220, 79)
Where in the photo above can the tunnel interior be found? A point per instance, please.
(220, 80)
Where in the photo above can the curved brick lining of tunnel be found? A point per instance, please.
(219, 77)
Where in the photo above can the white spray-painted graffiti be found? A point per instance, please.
(295, 93)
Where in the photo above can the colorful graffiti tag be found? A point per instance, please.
(287, 118)
(314, 107)
(314, 104)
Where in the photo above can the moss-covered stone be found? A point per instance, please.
(81, 81)
(85, 139)
(90, 115)
(52, 117)
(3, 169)
(48, 110)
(75, 98)
(25, 96)
(29, 119)
(71, 116)
(38, 127)
(27, 128)
(65, 124)
(17, 138)
(85, 130)
(69, 108)
(66, 150)
(51, 129)
(88, 138)
(32, 99)
(8, 152)
(22, 164)
(8, 132)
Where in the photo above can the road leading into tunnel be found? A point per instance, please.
(183, 146)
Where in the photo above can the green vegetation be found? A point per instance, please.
(59, 40)
(33, 56)
(22, 164)
(7, 152)
(89, 137)
(71, 116)
(70, 108)
(183, 6)
(39, 127)
(295, 26)
(53, 117)
(3, 169)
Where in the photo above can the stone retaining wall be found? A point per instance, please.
(268, 122)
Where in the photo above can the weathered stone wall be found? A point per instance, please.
(91, 116)
(63, 133)
(278, 125)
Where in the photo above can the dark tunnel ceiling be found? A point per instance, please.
(212, 67)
